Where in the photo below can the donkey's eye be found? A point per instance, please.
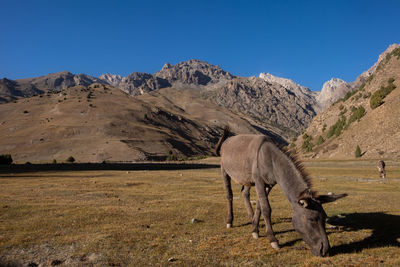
(313, 219)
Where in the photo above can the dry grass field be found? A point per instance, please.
(142, 218)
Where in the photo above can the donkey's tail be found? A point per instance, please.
(224, 136)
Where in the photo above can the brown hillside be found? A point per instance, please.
(99, 122)
(377, 132)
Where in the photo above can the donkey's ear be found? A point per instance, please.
(303, 202)
(329, 198)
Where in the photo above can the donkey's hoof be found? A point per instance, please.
(229, 225)
(255, 235)
(275, 245)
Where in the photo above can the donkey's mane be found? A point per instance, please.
(303, 173)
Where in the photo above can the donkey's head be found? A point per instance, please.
(309, 220)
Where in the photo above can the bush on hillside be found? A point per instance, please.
(356, 114)
(307, 143)
(5, 159)
(337, 128)
(377, 97)
(320, 140)
(358, 152)
(171, 156)
(70, 159)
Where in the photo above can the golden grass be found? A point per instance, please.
(142, 218)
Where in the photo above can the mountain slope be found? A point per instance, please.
(11, 90)
(99, 122)
(358, 120)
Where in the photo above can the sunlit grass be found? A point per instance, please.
(144, 218)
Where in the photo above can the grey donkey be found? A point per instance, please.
(255, 160)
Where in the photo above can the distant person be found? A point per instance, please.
(381, 168)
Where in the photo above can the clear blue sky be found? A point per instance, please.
(307, 41)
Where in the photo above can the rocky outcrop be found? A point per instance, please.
(331, 91)
(193, 71)
(138, 83)
(112, 79)
(268, 102)
(300, 91)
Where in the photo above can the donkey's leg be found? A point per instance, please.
(229, 197)
(256, 220)
(247, 203)
(262, 193)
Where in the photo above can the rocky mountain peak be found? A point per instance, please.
(288, 84)
(193, 71)
(331, 91)
(138, 83)
(166, 66)
(112, 79)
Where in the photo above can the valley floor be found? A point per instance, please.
(142, 218)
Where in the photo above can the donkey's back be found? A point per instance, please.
(239, 155)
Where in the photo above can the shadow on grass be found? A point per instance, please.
(17, 168)
(385, 231)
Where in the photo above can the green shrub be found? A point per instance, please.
(356, 114)
(370, 78)
(70, 159)
(358, 152)
(377, 97)
(5, 159)
(357, 96)
(307, 143)
(320, 140)
(367, 95)
(171, 156)
(362, 86)
(349, 94)
(54, 161)
(324, 127)
(337, 128)
(396, 52)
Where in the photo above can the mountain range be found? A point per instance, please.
(266, 104)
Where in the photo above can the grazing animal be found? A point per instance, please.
(381, 168)
(255, 160)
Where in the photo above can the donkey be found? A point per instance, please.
(381, 168)
(255, 160)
